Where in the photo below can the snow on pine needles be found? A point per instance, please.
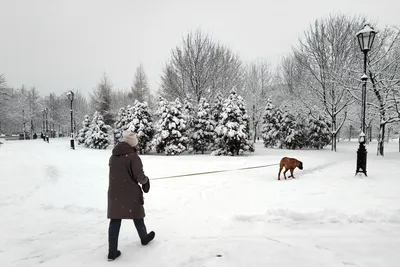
(170, 137)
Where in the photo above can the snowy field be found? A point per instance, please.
(53, 209)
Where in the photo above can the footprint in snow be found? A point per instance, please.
(52, 173)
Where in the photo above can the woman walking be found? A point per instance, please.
(125, 196)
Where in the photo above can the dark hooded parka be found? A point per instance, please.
(125, 195)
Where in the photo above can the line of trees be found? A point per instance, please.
(222, 128)
(21, 109)
(320, 78)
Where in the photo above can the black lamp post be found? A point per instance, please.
(70, 95)
(46, 111)
(365, 38)
(43, 128)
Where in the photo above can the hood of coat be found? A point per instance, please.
(123, 149)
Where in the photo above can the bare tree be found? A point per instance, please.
(56, 111)
(20, 109)
(4, 98)
(256, 90)
(291, 87)
(291, 74)
(13, 109)
(384, 74)
(200, 68)
(23, 111)
(396, 99)
(33, 114)
(325, 58)
(80, 109)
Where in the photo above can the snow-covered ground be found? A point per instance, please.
(53, 209)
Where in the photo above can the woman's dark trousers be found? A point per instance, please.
(113, 232)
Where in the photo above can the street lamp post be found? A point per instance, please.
(71, 98)
(365, 39)
(46, 111)
(43, 127)
(23, 122)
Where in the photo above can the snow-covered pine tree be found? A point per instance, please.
(171, 128)
(203, 134)
(217, 107)
(246, 119)
(120, 125)
(216, 111)
(142, 124)
(129, 113)
(232, 132)
(303, 132)
(188, 113)
(319, 132)
(162, 112)
(290, 131)
(98, 137)
(188, 116)
(83, 132)
(270, 130)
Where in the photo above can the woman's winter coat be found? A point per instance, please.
(125, 196)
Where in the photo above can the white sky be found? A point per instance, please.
(60, 45)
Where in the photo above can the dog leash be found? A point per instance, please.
(210, 172)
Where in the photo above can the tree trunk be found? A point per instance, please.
(370, 133)
(334, 134)
(255, 132)
(381, 139)
(351, 127)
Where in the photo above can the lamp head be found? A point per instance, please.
(70, 95)
(366, 38)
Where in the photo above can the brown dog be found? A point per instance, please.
(289, 164)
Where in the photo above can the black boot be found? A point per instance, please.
(113, 234)
(150, 236)
(113, 255)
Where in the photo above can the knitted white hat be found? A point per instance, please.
(130, 138)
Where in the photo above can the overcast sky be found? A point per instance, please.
(60, 45)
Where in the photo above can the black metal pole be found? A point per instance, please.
(47, 128)
(43, 128)
(23, 122)
(364, 91)
(362, 151)
(72, 129)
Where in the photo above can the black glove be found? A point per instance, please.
(146, 186)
